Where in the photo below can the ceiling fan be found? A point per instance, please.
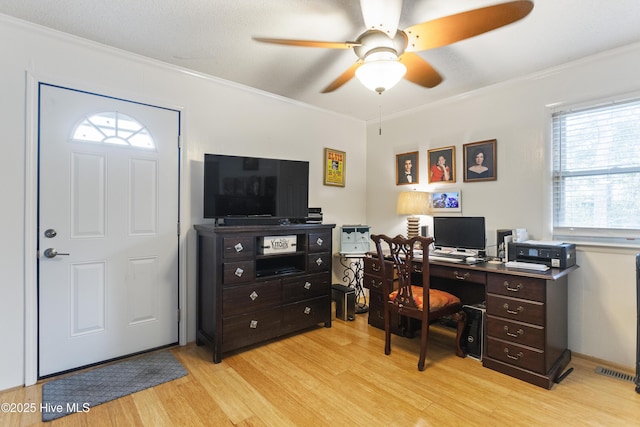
(386, 54)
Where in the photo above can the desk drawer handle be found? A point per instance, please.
(518, 333)
(457, 275)
(376, 284)
(375, 267)
(516, 357)
(519, 310)
(509, 288)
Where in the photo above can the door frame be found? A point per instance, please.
(31, 221)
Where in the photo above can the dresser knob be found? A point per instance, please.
(307, 285)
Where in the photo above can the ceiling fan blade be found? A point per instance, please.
(383, 15)
(308, 43)
(344, 77)
(420, 71)
(453, 28)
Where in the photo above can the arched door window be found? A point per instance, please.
(112, 127)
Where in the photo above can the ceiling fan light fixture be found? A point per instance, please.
(381, 75)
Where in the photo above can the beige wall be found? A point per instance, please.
(602, 308)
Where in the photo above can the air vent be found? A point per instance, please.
(615, 374)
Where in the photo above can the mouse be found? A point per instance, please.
(470, 259)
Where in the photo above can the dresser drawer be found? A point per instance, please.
(306, 313)
(319, 261)
(516, 355)
(238, 247)
(238, 272)
(516, 332)
(464, 275)
(516, 309)
(320, 242)
(251, 328)
(516, 286)
(306, 287)
(252, 297)
(372, 267)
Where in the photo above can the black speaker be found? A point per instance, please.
(472, 339)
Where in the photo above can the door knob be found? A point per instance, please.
(52, 253)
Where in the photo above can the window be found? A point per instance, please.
(113, 128)
(596, 172)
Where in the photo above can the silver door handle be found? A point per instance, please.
(52, 253)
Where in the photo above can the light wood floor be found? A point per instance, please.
(341, 377)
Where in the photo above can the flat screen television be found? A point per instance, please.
(459, 232)
(252, 187)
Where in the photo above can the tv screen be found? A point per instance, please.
(460, 232)
(237, 186)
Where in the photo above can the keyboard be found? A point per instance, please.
(445, 258)
(526, 265)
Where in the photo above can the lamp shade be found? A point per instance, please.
(413, 203)
(381, 75)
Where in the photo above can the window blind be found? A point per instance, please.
(596, 171)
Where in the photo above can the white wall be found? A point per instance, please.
(218, 116)
(602, 307)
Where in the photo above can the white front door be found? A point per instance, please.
(107, 228)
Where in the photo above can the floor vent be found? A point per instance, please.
(615, 374)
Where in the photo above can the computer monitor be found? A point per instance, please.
(459, 232)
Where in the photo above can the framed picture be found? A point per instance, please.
(334, 167)
(407, 168)
(445, 201)
(480, 161)
(442, 164)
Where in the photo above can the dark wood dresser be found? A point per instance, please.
(247, 295)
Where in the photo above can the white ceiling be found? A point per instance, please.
(214, 37)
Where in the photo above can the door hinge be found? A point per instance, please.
(179, 141)
(178, 315)
(178, 228)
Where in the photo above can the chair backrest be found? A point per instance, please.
(403, 251)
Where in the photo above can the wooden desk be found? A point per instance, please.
(525, 333)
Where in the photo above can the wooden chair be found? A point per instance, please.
(409, 299)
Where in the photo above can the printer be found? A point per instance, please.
(554, 254)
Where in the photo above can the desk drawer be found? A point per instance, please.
(516, 286)
(516, 355)
(516, 332)
(462, 274)
(516, 309)
(373, 267)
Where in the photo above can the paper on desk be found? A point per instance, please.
(544, 242)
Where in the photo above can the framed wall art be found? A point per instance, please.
(442, 164)
(407, 168)
(480, 161)
(445, 201)
(334, 167)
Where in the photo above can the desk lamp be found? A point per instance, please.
(413, 203)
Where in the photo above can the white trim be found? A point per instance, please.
(31, 232)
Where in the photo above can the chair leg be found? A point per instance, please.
(387, 332)
(461, 317)
(424, 334)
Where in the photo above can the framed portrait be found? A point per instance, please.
(442, 164)
(445, 201)
(480, 161)
(407, 168)
(334, 167)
